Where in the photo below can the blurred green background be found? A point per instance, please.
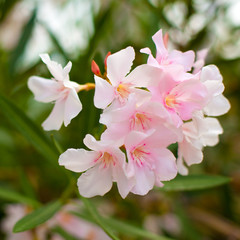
(82, 30)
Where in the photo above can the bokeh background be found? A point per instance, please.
(83, 30)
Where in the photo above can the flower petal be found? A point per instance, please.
(145, 180)
(165, 163)
(72, 106)
(217, 106)
(104, 93)
(56, 69)
(95, 181)
(55, 119)
(78, 160)
(44, 90)
(119, 65)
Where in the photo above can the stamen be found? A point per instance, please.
(170, 101)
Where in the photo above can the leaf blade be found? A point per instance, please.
(37, 217)
(28, 129)
(11, 195)
(194, 182)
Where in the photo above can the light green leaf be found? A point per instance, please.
(37, 217)
(28, 129)
(194, 182)
(13, 196)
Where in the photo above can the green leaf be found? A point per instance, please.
(97, 218)
(37, 217)
(64, 234)
(123, 227)
(194, 182)
(28, 129)
(11, 195)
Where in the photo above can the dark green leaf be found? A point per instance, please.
(13, 196)
(28, 129)
(194, 182)
(37, 217)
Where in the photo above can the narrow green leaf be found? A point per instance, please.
(13, 196)
(28, 129)
(194, 182)
(37, 217)
(64, 234)
(97, 218)
(123, 227)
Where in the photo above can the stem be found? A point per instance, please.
(86, 87)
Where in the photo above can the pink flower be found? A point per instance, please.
(104, 165)
(212, 79)
(197, 134)
(60, 90)
(150, 162)
(117, 87)
(180, 99)
(133, 116)
(175, 62)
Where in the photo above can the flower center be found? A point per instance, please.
(170, 101)
(107, 159)
(123, 90)
(140, 122)
(140, 155)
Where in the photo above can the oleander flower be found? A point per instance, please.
(59, 90)
(104, 165)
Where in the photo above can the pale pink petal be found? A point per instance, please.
(72, 106)
(182, 169)
(55, 68)
(66, 71)
(217, 106)
(119, 65)
(163, 137)
(104, 93)
(186, 59)
(211, 72)
(116, 132)
(44, 90)
(78, 160)
(135, 138)
(91, 143)
(191, 96)
(145, 180)
(124, 183)
(165, 164)
(119, 114)
(151, 60)
(55, 119)
(95, 181)
(200, 61)
(161, 50)
(214, 87)
(190, 153)
(142, 75)
(210, 137)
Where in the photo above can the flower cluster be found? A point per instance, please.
(171, 99)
